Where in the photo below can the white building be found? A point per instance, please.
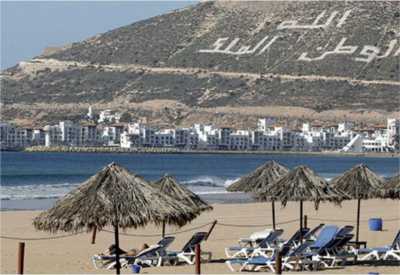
(4, 129)
(164, 138)
(52, 135)
(265, 141)
(14, 137)
(393, 133)
(240, 140)
(147, 135)
(69, 133)
(38, 137)
(186, 138)
(90, 114)
(378, 144)
(130, 140)
(266, 124)
(108, 116)
(223, 137)
(345, 127)
(111, 135)
(207, 136)
(88, 135)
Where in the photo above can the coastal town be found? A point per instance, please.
(106, 130)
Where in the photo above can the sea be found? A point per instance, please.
(36, 180)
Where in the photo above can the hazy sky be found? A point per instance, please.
(30, 26)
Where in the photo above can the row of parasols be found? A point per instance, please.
(121, 199)
(275, 182)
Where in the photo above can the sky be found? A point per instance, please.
(27, 27)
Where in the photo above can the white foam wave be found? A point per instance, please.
(229, 182)
(210, 181)
(35, 191)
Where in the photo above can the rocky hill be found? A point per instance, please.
(223, 62)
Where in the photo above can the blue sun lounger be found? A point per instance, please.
(326, 235)
(295, 238)
(306, 255)
(312, 234)
(333, 251)
(385, 252)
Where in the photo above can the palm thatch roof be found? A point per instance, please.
(301, 184)
(359, 183)
(267, 173)
(169, 186)
(115, 197)
(391, 188)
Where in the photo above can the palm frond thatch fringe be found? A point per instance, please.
(391, 188)
(259, 178)
(169, 186)
(301, 184)
(359, 183)
(112, 193)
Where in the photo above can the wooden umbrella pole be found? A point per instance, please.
(116, 236)
(273, 215)
(94, 234)
(163, 229)
(301, 221)
(117, 263)
(358, 220)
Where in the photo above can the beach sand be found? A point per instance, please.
(72, 254)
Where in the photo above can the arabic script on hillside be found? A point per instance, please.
(365, 53)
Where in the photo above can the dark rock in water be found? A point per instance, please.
(323, 55)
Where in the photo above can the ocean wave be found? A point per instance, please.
(35, 191)
(200, 185)
(208, 181)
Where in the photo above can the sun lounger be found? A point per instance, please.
(187, 253)
(291, 256)
(295, 238)
(166, 241)
(334, 251)
(148, 255)
(255, 238)
(326, 235)
(267, 244)
(307, 255)
(312, 234)
(385, 252)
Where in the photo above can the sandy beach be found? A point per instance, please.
(72, 254)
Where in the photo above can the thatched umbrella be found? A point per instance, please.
(301, 184)
(259, 181)
(112, 197)
(359, 183)
(391, 188)
(169, 186)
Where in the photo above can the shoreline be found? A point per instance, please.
(33, 204)
(65, 149)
